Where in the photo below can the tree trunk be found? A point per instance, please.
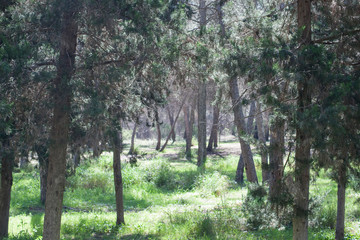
(277, 149)
(239, 177)
(158, 131)
(117, 139)
(303, 145)
(261, 137)
(250, 119)
(242, 129)
(7, 165)
(340, 217)
(173, 125)
(42, 152)
(214, 129)
(96, 143)
(59, 134)
(171, 119)
(202, 97)
(132, 145)
(188, 135)
(202, 125)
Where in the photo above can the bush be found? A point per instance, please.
(260, 213)
(322, 212)
(161, 174)
(212, 184)
(203, 228)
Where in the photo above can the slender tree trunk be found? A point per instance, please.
(250, 119)
(158, 130)
(188, 136)
(214, 129)
(59, 134)
(242, 129)
(173, 125)
(96, 143)
(261, 137)
(117, 139)
(132, 145)
(202, 125)
(202, 97)
(277, 150)
(239, 177)
(42, 152)
(7, 165)
(171, 119)
(340, 217)
(303, 145)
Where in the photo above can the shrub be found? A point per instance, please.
(212, 183)
(161, 174)
(260, 213)
(322, 212)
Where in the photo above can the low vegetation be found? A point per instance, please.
(167, 197)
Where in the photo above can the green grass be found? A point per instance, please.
(166, 197)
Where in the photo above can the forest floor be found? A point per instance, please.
(167, 197)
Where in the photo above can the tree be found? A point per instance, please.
(303, 141)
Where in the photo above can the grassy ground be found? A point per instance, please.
(167, 197)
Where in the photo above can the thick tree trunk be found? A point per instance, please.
(202, 125)
(261, 137)
(42, 152)
(340, 217)
(303, 145)
(239, 177)
(171, 119)
(59, 134)
(132, 144)
(158, 131)
(7, 164)
(277, 150)
(242, 129)
(117, 148)
(214, 129)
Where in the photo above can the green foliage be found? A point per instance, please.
(212, 184)
(323, 212)
(260, 213)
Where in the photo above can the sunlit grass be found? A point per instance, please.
(165, 197)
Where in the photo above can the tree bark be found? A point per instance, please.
(132, 144)
(59, 134)
(42, 152)
(261, 137)
(158, 130)
(242, 129)
(117, 148)
(96, 143)
(202, 124)
(188, 136)
(214, 129)
(202, 97)
(171, 119)
(239, 176)
(277, 149)
(7, 165)
(303, 145)
(340, 217)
